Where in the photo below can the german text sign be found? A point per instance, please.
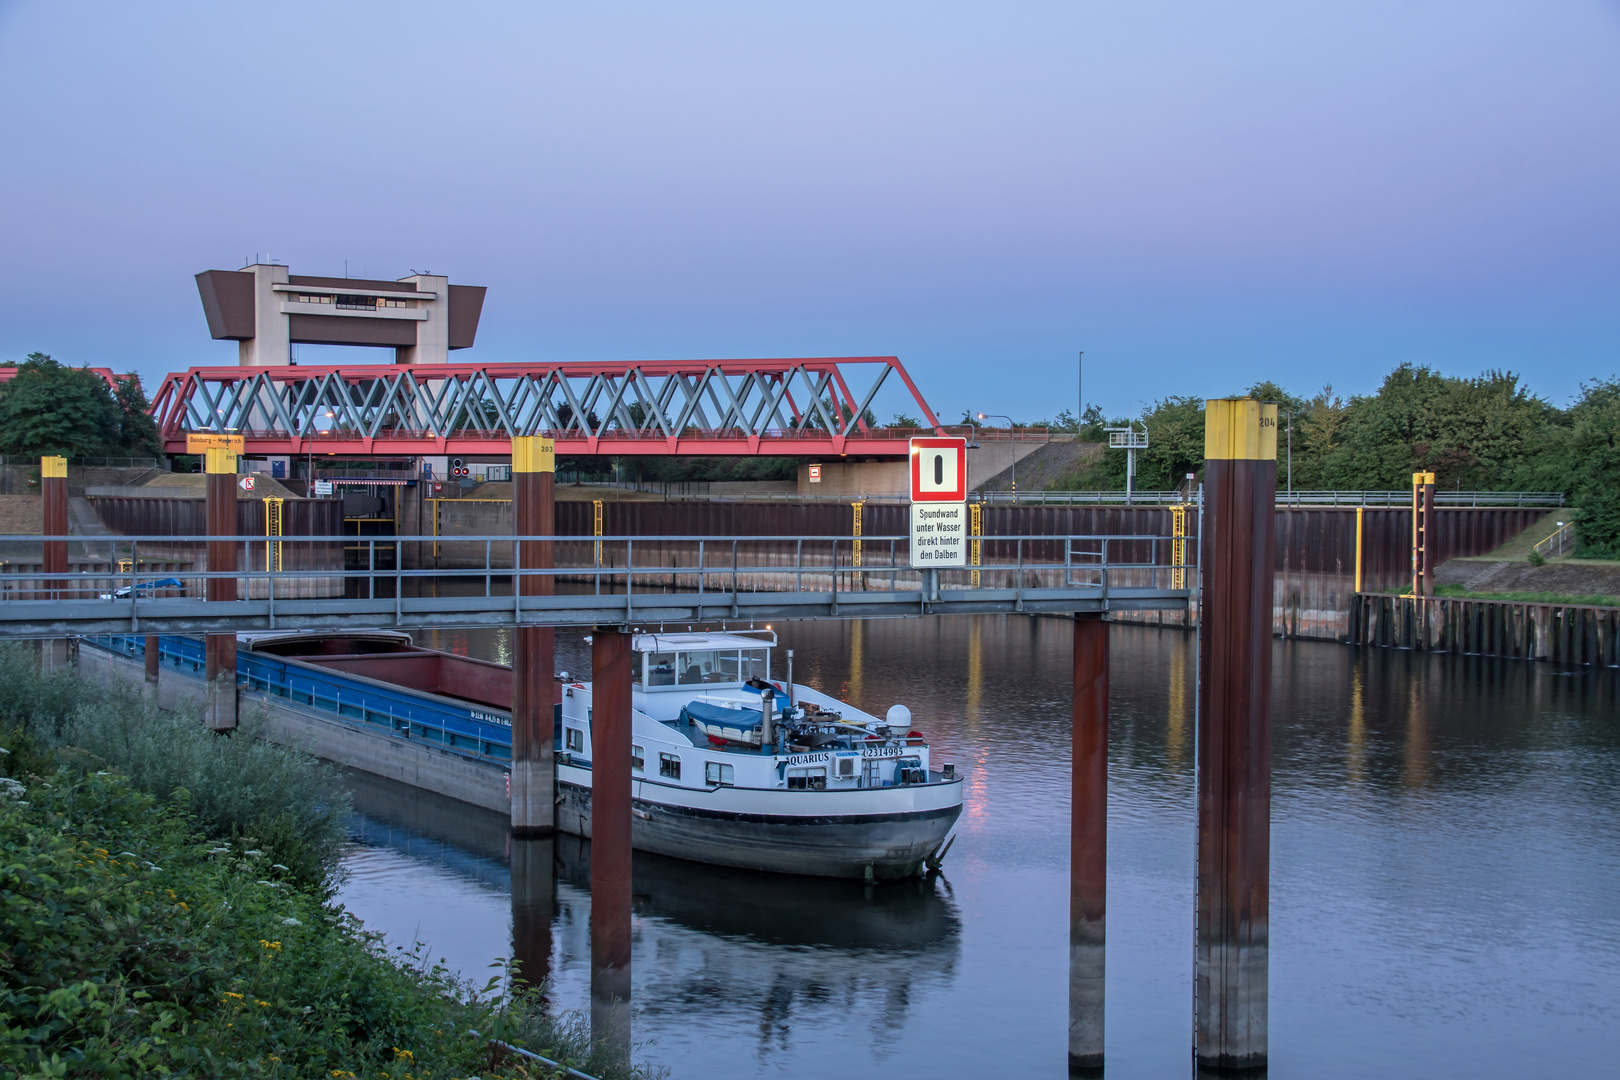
(938, 535)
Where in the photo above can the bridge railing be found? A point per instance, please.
(396, 582)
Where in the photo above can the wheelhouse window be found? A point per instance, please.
(754, 664)
(693, 668)
(715, 772)
(811, 779)
(660, 669)
(638, 759)
(576, 740)
(669, 765)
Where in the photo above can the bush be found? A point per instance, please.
(1599, 528)
(130, 946)
(237, 785)
(1536, 558)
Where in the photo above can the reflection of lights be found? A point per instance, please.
(1175, 743)
(1417, 741)
(1357, 743)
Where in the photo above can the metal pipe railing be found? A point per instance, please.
(777, 564)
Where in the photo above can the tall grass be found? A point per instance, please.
(237, 786)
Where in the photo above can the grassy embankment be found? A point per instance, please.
(165, 908)
(1527, 597)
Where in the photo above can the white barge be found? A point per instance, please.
(732, 767)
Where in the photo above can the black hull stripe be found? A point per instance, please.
(784, 819)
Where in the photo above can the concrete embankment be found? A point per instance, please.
(352, 745)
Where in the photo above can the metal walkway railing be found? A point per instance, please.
(635, 580)
(476, 733)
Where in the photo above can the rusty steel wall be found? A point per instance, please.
(142, 516)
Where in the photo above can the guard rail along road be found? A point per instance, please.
(742, 577)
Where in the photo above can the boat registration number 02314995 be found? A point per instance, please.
(874, 752)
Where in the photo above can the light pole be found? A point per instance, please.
(993, 416)
(326, 415)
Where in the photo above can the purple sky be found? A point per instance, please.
(1197, 194)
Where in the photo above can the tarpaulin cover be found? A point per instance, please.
(719, 715)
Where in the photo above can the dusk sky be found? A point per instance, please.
(1199, 195)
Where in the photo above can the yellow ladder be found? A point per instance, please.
(975, 530)
(596, 516)
(1178, 546)
(856, 506)
(272, 527)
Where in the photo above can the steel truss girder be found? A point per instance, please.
(801, 407)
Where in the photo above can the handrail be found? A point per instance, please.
(1565, 534)
(768, 575)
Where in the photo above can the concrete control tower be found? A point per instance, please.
(266, 309)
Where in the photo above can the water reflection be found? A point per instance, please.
(1443, 889)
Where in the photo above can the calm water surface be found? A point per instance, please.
(1445, 874)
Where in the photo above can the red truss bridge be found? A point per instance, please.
(799, 407)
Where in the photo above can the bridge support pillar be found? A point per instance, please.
(56, 653)
(1230, 937)
(611, 658)
(1088, 846)
(534, 681)
(219, 666)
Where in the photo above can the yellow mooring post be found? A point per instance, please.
(976, 530)
(1359, 511)
(856, 507)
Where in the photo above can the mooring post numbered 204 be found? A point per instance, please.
(1238, 542)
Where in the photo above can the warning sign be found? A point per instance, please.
(939, 535)
(939, 470)
(246, 483)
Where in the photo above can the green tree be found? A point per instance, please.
(1592, 465)
(49, 408)
(137, 431)
(1471, 433)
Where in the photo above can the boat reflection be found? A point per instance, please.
(768, 957)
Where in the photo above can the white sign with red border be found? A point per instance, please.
(939, 470)
(939, 517)
(815, 474)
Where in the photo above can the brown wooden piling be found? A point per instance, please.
(1088, 845)
(54, 496)
(611, 657)
(1230, 969)
(534, 692)
(219, 664)
(154, 658)
(54, 654)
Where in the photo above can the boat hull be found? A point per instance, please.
(876, 833)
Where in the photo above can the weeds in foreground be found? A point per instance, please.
(131, 945)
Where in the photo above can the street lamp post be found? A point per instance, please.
(994, 416)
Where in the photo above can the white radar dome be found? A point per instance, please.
(899, 716)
